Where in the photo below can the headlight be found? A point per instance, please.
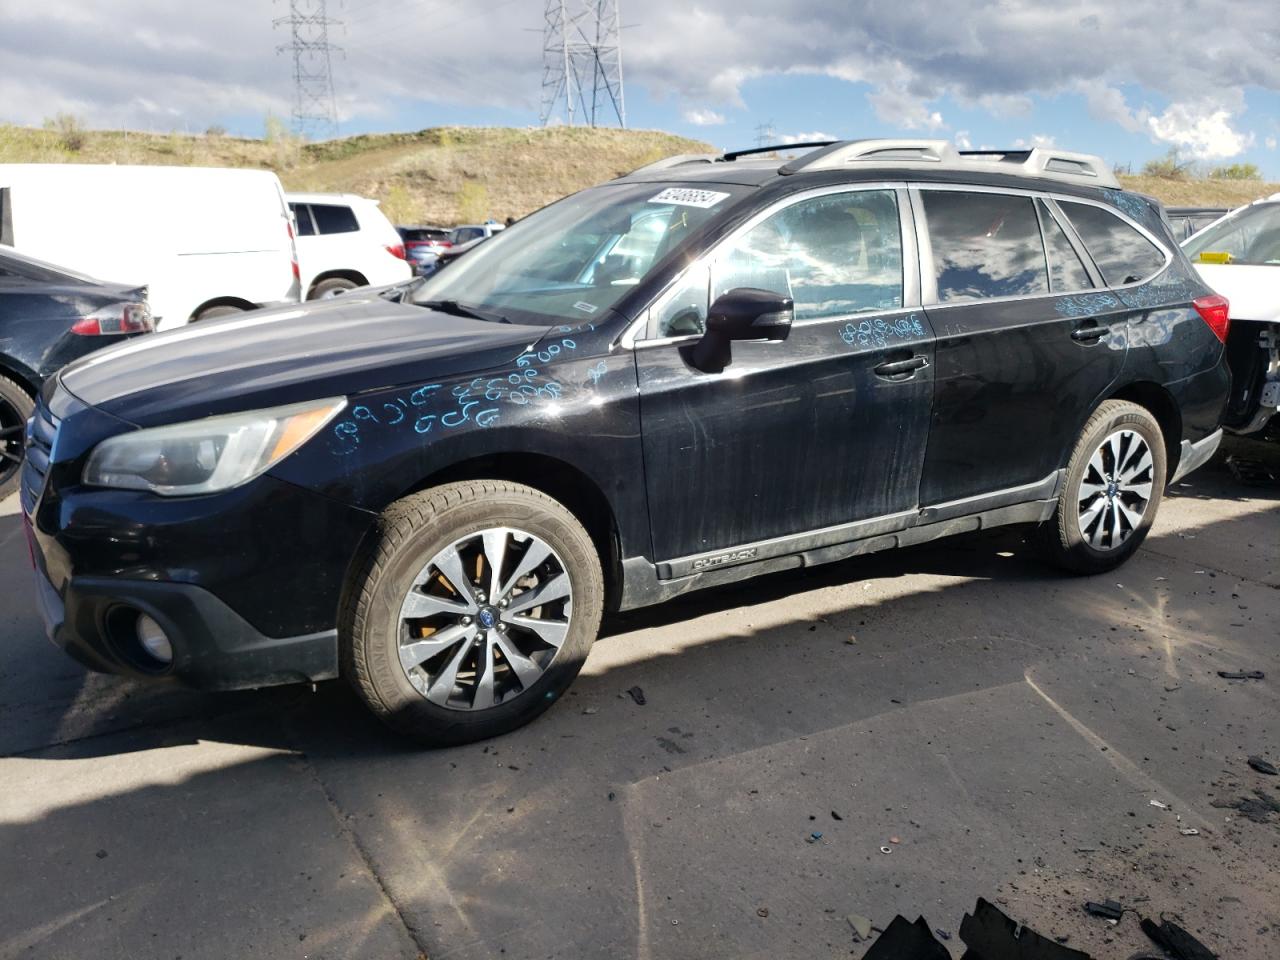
(206, 456)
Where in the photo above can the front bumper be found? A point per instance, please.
(1195, 455)
(214, 648)
(246, 583)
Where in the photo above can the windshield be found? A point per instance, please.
(576, 258)
(1251, 236)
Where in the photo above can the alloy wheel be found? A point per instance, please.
(1115, 490)
(484, 619)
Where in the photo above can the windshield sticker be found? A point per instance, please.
(687, 197)
(585, 307)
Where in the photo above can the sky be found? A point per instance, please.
(1127, 80)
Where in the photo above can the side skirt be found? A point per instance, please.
(646, 583)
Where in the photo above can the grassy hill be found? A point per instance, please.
(451, 175)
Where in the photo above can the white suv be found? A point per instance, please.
(345, 241)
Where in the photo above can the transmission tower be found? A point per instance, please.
(315, 108)
(582, 63)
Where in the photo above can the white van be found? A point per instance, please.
(207, 242)
(345, 241)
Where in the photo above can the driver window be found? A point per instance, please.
(835, 255)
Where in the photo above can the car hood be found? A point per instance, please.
(266, 358)
(1252, 289)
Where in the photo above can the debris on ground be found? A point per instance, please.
(988, 933)
(886, 849)
(1175, 941)
(1160, 803)
(861, 926)
(1263, 766)
(1257, 808)
(1254, 473)
(1107, 909)
(589, 711)
(814, 837)
(637, 695)
(907, 941)
(1189, 832)
(762, 911)
(836, 816)
(1242, 675)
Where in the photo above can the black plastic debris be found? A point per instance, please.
(637, 695)
(990, 935)
(1257, 808)
(836, 816)
(1107, 909)
(1175, 941)
(1262, 766)
(1255, 473)
(1242, 675)
(903, 940)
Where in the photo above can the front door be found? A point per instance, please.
(809, 433)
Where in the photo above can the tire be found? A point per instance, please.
(1103, 515)
(212, 313)
(396, 665)
(15, 407)
(326, 289)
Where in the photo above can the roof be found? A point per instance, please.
(297, 197)
(905, 158)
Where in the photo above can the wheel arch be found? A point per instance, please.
(568, 485)
(1159, 402)
(20, 374)
(345, 273)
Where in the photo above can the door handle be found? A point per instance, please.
(899, 368)
(1089, 332)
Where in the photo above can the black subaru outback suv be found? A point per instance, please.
(713, 368)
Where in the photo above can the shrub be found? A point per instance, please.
(1236, 171)
(1168, 167)
(69, 129)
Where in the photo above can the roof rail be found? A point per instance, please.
(676, 161)
(778, 148)
(1047, 162)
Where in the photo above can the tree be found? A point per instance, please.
(1168, 167)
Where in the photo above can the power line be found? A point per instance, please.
(315, 107)
(582, 63)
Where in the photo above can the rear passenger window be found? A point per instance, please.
(331, 218)
(1122, 253)
(984, 245)
(1066, 272)
(835, 255)
(302, 215)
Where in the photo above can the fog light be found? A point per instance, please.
(154, 640)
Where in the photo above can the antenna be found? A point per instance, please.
(582, 63)
(315, 108)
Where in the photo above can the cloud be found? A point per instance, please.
(187, 66)
(815, 136)
(1035, 140)
(1271, 143)
(1203, 131)
(703, 118)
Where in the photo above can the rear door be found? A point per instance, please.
(1025, 349)
(797, 437)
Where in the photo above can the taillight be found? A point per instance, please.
(1214, 310)
(396, 250)
(119, 318)
(293, 249)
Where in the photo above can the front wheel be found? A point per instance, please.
(470, 610)
(15, 407)
(1114, 482)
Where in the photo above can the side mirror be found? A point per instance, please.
(744, 313)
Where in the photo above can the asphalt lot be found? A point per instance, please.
(1007, 725)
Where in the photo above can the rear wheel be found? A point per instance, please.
(1115, 479)
(470, 611)
(15, 407)
(212, 313)
(328, 289)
